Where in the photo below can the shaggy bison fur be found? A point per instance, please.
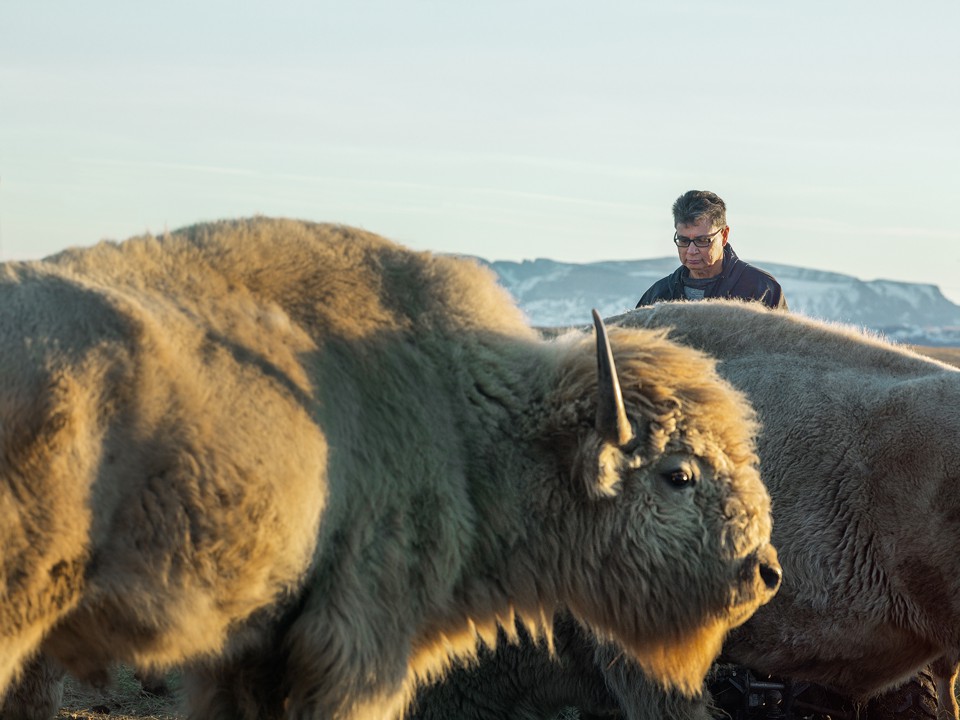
(313, 467)
(860, 450)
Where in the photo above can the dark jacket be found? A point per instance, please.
(737, 280)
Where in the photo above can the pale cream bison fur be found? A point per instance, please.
(314, 466)
(860, 450)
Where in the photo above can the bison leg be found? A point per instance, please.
(249, 688)
(522, 680)
(944, 671)
(516, 681)
(916, 699)
(152, 682)
(38, 694)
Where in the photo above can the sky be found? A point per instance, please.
(506, 129)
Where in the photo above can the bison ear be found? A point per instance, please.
(612, 423)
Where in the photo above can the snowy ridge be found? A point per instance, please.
(558, 294)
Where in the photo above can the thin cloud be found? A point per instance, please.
(155, 165)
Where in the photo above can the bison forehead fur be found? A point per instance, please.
(316, 466)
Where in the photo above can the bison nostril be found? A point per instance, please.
(771, 574)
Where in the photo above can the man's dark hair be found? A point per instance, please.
(695, 205)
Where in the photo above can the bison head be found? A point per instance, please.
(670, 521)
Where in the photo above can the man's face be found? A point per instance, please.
(702, 262)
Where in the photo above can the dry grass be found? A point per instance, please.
(949, 355)
(123, 700)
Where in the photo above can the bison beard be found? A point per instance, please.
(314, 468)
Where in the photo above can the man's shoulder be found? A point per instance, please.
(759, 274)
(753, 283)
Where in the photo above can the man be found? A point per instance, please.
(709, 266)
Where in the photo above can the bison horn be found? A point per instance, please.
(612, 423)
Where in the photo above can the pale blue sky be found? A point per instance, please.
(506, 129)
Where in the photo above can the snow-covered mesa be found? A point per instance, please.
(560, 294)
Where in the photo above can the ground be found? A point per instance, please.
(123, 700)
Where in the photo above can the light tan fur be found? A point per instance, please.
(317, 467)
(860, 449)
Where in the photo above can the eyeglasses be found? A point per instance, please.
(701, 242)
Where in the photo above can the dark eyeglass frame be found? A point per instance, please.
(700, 241)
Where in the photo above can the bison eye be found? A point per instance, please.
(679, 478)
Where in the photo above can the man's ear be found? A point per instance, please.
(725, 235)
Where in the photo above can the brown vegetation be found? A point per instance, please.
(124, 699)
(949, 355)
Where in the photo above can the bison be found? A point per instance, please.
(860, 450)
(312, 467)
